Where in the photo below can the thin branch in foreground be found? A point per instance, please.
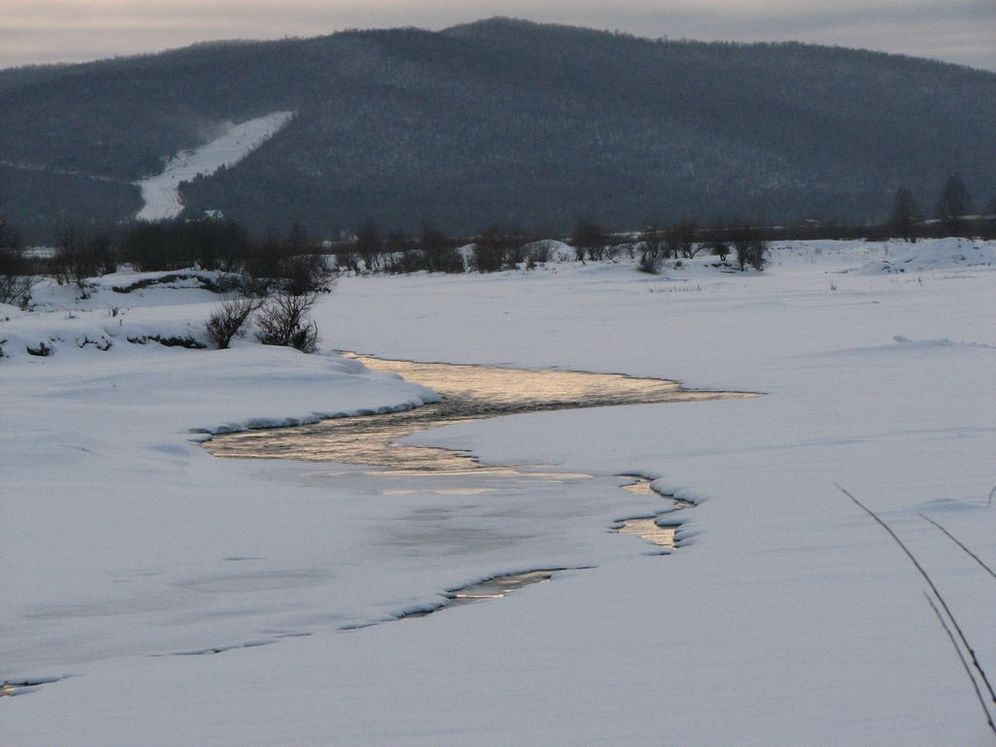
(958, 542)
(961, 656)
(961, 635)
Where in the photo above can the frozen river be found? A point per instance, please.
(471, 393)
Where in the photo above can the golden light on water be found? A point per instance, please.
(529, 389)
(468, 393)
(640, 487)
(647, 529)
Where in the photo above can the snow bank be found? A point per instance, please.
(932, 254)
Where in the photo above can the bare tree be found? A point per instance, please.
(650, 259)
(686, 238)
(590, 237)
(439, 255)
(750, 248)
(719, 248)
(672, 242)
(497, 249)
(369, 244)
(17, 276)
(651, 251)
(305, 273)
(79, 256)
(905, 216)
(955, 202)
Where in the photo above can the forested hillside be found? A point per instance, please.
(500, 122)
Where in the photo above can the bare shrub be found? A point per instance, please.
(440, 256)
(262, 268)
(540, 252)
(17, 277)
(169, 341)
(650, 258)
(686, 232)
(679, 240)
(283, 320)
(79, 256)
(719, 248)
(346, 260)
(369, 244)
(486, 257)
(751, 249)
(497, 249)
(588, 236)
(305, 273)
(229, 319)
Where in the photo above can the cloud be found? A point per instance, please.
(35, 31)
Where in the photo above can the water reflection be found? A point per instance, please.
(498, 587)
(654, 529)
(491, 588)
(468, 393)
(649, 530)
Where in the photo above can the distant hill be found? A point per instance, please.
(501, 121)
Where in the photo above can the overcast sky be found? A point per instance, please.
(40, 31)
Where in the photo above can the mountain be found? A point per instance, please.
(500, 121)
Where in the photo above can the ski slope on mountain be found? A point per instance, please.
(161, 192)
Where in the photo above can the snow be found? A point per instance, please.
(933, 255)
(788, 616)
(161, 191)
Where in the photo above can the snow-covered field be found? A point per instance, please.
(789, 616)
(161, 191)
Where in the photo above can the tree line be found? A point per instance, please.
(954, 214)
(297, 260)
